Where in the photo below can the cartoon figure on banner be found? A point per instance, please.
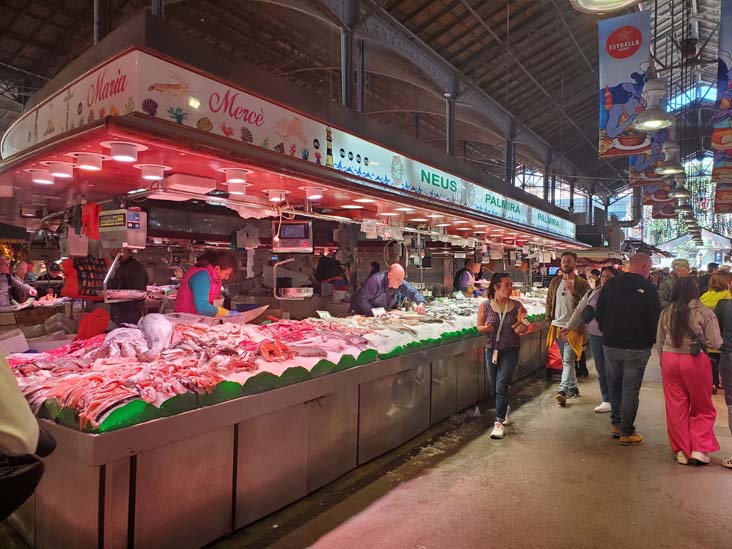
(329, 147)
(722, 119)
(657, 194)
(643, 166)
(722, 169)
(621, 106)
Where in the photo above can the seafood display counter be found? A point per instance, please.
(187, 479)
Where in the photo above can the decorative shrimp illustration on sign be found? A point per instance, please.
(177, 89)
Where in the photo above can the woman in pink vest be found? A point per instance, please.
(201, 285)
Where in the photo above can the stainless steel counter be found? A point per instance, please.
(189, 479)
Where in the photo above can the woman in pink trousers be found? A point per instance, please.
(685, 329)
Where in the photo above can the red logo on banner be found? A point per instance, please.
(624, 42)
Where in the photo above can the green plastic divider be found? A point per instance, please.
(391, 354)
(295, 374)
(369, 355)
(50, 409)
(263, 381)
(68, 417)
(132, 413)
(323, 367)
(179, 404)
(346, 362)
(225, 390)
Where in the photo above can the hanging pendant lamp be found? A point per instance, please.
(654, 118)
(599, 7)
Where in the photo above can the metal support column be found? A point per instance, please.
(546, 183)
(554, 188)
(450, 98)
(158, 8)
(591, 206)
(351, 14)
(102, 19)
(360, 73)
(346, 65)
(571, 194)
(510, 163)
(449, 124)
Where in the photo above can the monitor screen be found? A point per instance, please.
(294, 230)
(553, 271)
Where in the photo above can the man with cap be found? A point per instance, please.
(680, 269)
(53, 274)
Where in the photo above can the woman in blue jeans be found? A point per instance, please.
(595, 336)
(503, 320)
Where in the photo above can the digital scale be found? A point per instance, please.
(123, 229)
(292, 237)
(120, 229)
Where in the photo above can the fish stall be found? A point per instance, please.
(225, 420)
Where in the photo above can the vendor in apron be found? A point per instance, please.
(201, 285)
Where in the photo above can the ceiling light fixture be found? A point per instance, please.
(670, 165)
(91, 162)
(153, 172)
(599, 7)
(654, 117)
(389, 214)
(276, 195)
(463, 229)
(419, 219)
(313, 193)
(435, 216)
(40, 176)
(404, 209)
(352, 207)
(364, 200)
(61, 170)
(443, 224)
(680, 192)
(459, 222)
(235, 175)
(684, 208)
(123, 151)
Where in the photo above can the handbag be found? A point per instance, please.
(697, 347)
(588, 314)
(19, 476)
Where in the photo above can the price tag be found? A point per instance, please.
(378, 311)
(459, 295)
(324, 314)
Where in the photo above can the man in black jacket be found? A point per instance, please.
(712, 268)
(627, 313)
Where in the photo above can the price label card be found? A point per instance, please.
(324, 314)
(378, 311)
(459, 295)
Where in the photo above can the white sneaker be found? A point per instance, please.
(497, 430)
(507, 420)
(603, 407)
(702, 458)
(681, 458)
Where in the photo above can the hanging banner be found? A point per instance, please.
(663, 211)
(722, 120)
(722, 177)
(625, 56)
(642, 167)
(658, 195)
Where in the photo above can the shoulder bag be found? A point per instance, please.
(697, 347)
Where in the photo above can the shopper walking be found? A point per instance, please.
(502, 319)
(724, 316)
(717, 291)
(685, 330)
(680, 268)
(627, 314)
(565, 291)
(712, 269)
(584, 313)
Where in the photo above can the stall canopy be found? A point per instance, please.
(190, 135)
(13, 233)
(711, 240)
